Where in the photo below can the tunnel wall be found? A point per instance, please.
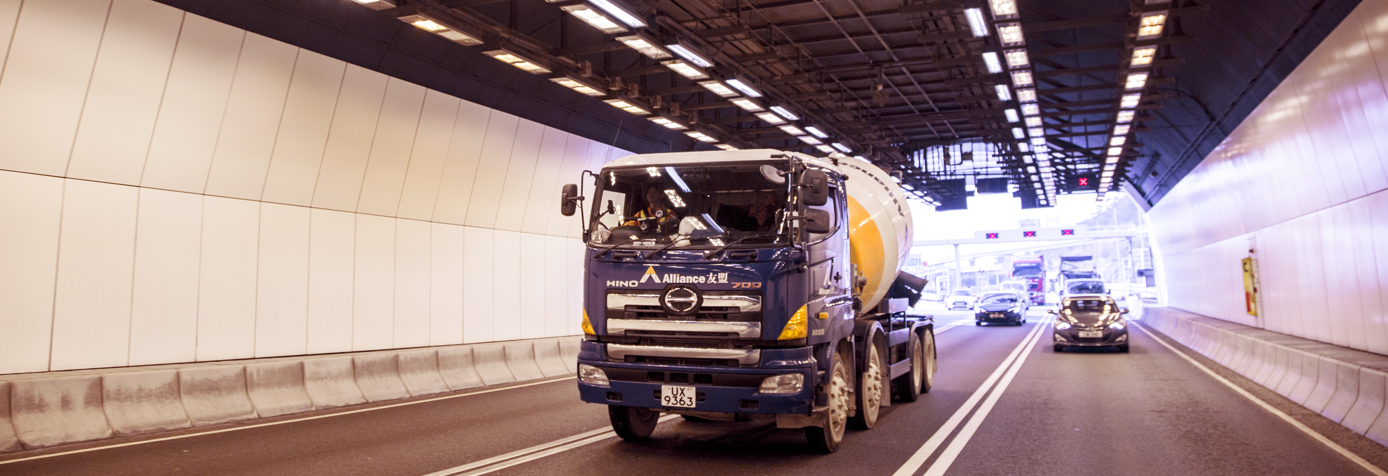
(173, 189)
(1301, 182)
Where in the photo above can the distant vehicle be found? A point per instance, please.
(1090, 320)
(1083, 286)
(1032, 271)
(928, 296)
(961, 299)
(1078, 267)
(1004, 307)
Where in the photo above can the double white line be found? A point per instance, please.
(497, 463)
(1005, 372)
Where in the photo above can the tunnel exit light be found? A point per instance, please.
(1028, 234)
(990, 236)
(1067, 232)
(1083, 182)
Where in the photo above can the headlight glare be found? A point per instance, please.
(782, 384)
(592, 375)
(1117, 325)
(1061, 325)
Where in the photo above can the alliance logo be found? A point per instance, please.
(672, 278)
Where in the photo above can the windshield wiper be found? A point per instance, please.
(610, 248)
(739, 240)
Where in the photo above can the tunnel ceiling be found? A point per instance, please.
(903, 83)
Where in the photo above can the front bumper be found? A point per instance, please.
(717, 389)
(998, 316)
(1071, 337)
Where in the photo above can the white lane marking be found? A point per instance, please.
(918, 459)
(1273, 410)
(261, 425)
(961, 440)
(533, 453)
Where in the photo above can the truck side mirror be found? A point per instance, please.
(1050, 311)
(569, 201)
(818, 221)
(815, 186)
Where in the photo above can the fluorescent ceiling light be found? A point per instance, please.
(725, 147)
(770, 118)
(701, 137)
(1018, 133)
(592, 17)
(1121, 129)
(1130, 100)
(1136, 81)
(1036, 131)
(1143, 56)
(825, 149)
(669, 124)
(684, 69)
(622, 14)
(1026, 95)
(626, 106)
(644, 46)
(1011, 115)
(1011, 34)
(1031, 169)
(990, 59)
(976, 23)
(517, 61)
(377, 4)
(1004, 94)
(747, 104)
(1035, 178)
(577, 86)
(428, 24)
(1022, 146)
(817, 133)
(1030, 109)
(1115, 150)
(792, 130)
(718, 88)
(745, 88)
(810, 140)
(1111, 160)
(689, 55)
(781, 111)
(1016, 58)
(842, 148)
(1117, 140)
(1033, 121)
(1003, 8)
(1021, 78)
(1026, 158)
(1151, 24)
(1038, 143)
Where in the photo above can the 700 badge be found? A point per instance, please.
(751, 285)
(676, 396)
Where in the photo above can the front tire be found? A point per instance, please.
(827, 437)
(928, 358)
(870, 391)
(908, 386)
(633, 423)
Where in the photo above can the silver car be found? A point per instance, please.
(1090, 320)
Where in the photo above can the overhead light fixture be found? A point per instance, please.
(747, 104)
(792, 130)
(783, 112)
(1125, 117)
(770, 118)
(809, 140)
(1003, 8)
(644, 46)
(517, 61)
(653, 171)
(1011, 115)
(620, 13)
(744, 88)
(1026, 158)
(1130, 100)
(976, 23)
(990, 59)
(377, 4)
(689, 55)
(1121, 129)
(1011, 34)
(1031, 169)
(1004, 94)
(577, 86)
(1117, 141)
(1115, 150)
(825, 149)
(1033, 121)
(725, 146)
(1026, 95)
(593, 18)
(626, 106)
(1030, 109)
(701, 137)
(1151, 24)
(669, 124)
(842, 148)
(1037, 143)
(1036, 131)
(1018, 133)
(1021, 78)
(684, 69)
(1111, 160)
(1016, 58)
(1143, 56)
(816, 132)
(1022, 146)
(1136, 81)
(432, 26)
(718, 88)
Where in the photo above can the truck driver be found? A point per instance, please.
(656, 217)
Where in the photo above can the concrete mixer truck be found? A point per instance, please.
(748, 285)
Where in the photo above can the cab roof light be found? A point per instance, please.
(593, 18)
(976, 23)
(644, 46)
(689, 55)
(433, 26)
(620, 13)
(744, 88)
(517, 61)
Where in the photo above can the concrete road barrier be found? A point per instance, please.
(1346, 392)
(331, 382)
(140, 402)
(547, 357)
(378, 376)
(1369, 405)
(520, 358)
(490, 362)
(1243, 355)
(1326, 373)
(1291, 372)
(8, 440)
(277, 388)
(568, 349)
(457, 370)
(419, 370)
(1279, 366)
(1225, 350)
(215, 394)
(1267, 361)
(48, 412)
(1310, 378)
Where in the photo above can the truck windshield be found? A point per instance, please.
(697, 206)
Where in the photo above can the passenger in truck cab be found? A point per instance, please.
(656, 217)
(764, 211)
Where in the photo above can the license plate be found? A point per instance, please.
(1091, 333)
(676, 396)
(995, 315)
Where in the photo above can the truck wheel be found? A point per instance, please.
(928, 361)
(908, 387)
(869, 391)
(826, 437)
(633, 423)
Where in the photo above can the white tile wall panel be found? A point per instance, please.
(126, 86)
(1371, 294)
(164, 311)
(502, 131)
(598, 154)
(252, 119)
(390, 152)
(558, 309)
(460, 169)
(520, 172)
(479, 282)
(349, 139)
(574, 252)
(331, 261)
(9, 16)
(1372, 93)
(506, 289)
(427, 158)
(412, 274)
(195, 99)
(40, 98)
(303, 130)
(30, 208)
(96, 259)
(373, 320)
(543, 199)
(1357, 58)
(530, 311)
(572, 164)
(1379, 231)
(447, 248)
(227, 279)
(281, 319)
(1346, 279)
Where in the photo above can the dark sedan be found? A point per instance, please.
(1005, 307)
(1093, 320)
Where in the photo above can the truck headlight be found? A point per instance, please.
(1061, 325)
(785, 383)
(594, 376)
(798, 327)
